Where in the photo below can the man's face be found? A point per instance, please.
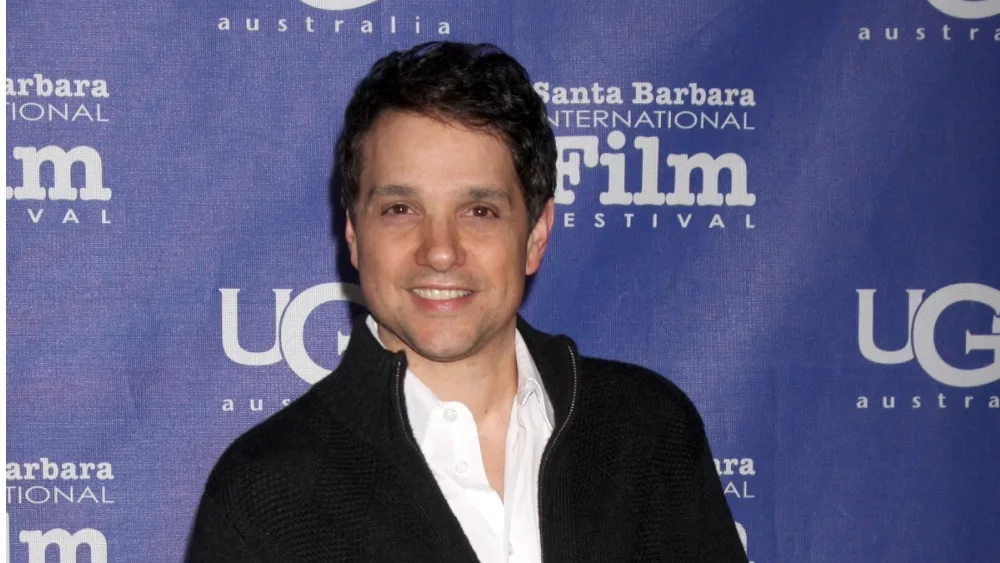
(440, 236)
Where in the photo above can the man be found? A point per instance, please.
(452, 431)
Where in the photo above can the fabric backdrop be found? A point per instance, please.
(791, 209)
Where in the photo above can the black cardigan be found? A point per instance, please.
(627, 474)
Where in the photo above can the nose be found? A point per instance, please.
(441, 247)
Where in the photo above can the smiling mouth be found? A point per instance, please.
(441, 294)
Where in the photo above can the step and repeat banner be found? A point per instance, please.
(790, 209)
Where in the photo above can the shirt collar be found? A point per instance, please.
(529, 383)
(424, 401)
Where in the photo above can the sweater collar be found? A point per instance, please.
(366, 389)
(421, 401)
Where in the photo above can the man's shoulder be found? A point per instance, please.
(284, 447)
(617, 394)
(645, 393)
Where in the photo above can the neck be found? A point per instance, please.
(485, 382)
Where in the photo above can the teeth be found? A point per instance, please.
(441, 294)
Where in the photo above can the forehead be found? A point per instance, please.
(404, 148)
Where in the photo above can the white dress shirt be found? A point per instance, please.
(500, 531)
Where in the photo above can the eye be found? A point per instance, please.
(483, 212)
(396, 209)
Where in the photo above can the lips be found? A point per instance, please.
(440, 294)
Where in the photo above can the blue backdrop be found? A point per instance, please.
(790, 209)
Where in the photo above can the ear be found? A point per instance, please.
(538, 238)
(352, 239)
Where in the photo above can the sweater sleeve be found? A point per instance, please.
(720, 542)
(216, 539)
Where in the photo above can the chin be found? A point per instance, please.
(443, 348)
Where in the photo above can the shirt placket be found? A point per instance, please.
(514, 482)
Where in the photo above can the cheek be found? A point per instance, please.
(383, 264)
(503, 263)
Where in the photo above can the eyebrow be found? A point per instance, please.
(489, 194)
(391, 190)
(476, 192)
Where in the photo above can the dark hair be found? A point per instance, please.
(475, 85)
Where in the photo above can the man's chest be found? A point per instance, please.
(489, 479)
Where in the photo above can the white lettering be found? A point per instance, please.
(920, 344)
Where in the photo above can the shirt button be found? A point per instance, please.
(510, 550)
(461, 467)
(450, 415)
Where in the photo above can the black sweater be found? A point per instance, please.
(627, 474)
